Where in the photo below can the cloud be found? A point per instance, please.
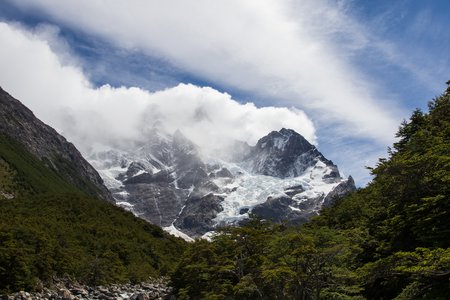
(297, 52)
(61, 96)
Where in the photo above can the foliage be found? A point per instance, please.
(50, 229)
(405, 210)
(28, 174)
(388, 240)
(262, 260)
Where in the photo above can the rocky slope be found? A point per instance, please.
(168, 182)
(18, 122)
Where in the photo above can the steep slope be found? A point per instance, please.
(18, 122)
(50, 224)
(168, 182)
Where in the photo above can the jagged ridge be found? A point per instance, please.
(167, 181)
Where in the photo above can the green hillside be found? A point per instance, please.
(28, 175)
(389, 240)
(50, 229)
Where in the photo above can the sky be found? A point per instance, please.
(342, 73)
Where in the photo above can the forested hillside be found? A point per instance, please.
(51, 229)
(388, 240)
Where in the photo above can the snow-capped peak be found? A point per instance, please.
(167, 182)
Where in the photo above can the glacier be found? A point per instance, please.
(167, 181)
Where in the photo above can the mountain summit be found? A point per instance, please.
(168, 181)
(286, 154)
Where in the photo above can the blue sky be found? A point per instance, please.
(349, 70)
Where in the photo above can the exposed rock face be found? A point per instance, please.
(286, 153)
(339, 191)
(224, 172)
(158, 202)
(167, 181)
(276, 209)
(190, 169)
(20, 124)
(155, 179)
(198, 214)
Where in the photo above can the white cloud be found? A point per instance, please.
(60, 95)
(295, 51)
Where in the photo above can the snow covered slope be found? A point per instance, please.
(167, 182)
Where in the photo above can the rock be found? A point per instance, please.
(243, 210)
(341, 190)
(133, 297)
(197, 216)
(65, 294)
(102, 296)
(283, 154)
(294, 190)
(278, 209)
(142, 296)
(158, 203)
(273, 209)
(79, 292)
(224, 172)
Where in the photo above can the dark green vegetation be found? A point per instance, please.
(22, 173)
(50, 229)
(388, 240)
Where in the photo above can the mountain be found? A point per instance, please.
(52, 149)
(169, 182)
(54, 220)
(285, 154)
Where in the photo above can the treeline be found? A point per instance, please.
(389, 240)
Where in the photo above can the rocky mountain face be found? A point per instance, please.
(19, 123)
(285, 154)
(168, 182)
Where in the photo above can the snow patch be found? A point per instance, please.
(294, 208)
(124, 204)
(175, 232)
(248, 190)
(280, 142)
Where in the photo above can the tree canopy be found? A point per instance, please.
(388, 240)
